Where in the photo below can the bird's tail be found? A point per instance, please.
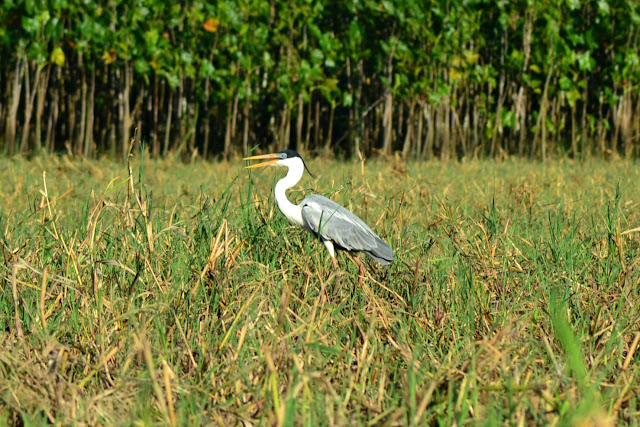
(381, 253)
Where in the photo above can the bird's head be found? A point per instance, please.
(288, 158)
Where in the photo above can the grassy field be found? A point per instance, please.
(187, 298)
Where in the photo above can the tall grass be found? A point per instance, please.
(178, 294)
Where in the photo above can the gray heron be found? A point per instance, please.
(336, 226)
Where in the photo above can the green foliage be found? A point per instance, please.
(510, 72)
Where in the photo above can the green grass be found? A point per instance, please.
(513, 297)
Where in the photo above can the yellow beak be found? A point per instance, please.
(273, 156)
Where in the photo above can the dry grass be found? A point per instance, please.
(188, 299)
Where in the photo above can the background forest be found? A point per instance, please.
(166, 290)
(428, 79)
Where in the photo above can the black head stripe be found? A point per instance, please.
(305, 166)
(292, 153)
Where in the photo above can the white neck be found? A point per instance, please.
(291, 211)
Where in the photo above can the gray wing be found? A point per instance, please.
(330, 221)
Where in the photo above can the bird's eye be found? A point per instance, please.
(283, 155)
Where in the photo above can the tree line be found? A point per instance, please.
(447, 78)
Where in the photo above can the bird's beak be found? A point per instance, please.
(273, 156)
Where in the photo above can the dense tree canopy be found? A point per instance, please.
(423, 78)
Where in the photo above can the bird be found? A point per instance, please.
(333, 224)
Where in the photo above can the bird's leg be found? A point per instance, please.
(363, 271)
(332, 253)
(337, 278)
(338, 272)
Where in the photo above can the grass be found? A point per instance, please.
(187, 298)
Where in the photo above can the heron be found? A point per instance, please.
(334, 225)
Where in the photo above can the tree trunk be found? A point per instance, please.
(409, 133)
(80, 138)
(88, 134)
(12, 111)
(53, 115)
(194, 112)
(207, 122)
(445, 126)
(430, 138)
(418, 145)
(299, 143)
(542, 114)
(285, 126)
(521, 107)
(583, 125)
(387, 121)
(180, 112)
(307, 138)
(167, 127)
(245, 132)
(155, 106)
(316, 130)
(40, 102)
(125, 111)
(497, 124)
(30, 94)
(227, 133)
(234, 120)
(626, 121)
(328, 140)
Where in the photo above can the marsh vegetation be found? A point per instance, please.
(179, 295)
